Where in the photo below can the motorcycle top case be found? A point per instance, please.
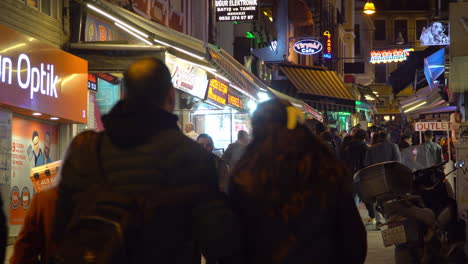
(387, 178)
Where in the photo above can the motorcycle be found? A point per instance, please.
(420, 211)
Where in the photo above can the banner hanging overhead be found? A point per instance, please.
(236, 10)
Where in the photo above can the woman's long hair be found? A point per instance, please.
(283, 168)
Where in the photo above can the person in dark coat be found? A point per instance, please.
(405, 142)
(207, 143)
(354, 153)
(327, 138)
(294, 198)
(235, 150)
(382, 150)
(143, 150)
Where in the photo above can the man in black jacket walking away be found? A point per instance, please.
(143, 150)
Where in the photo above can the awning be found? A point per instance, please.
(224, 63)
(307, 109)
(178, 41)
(116, 55)
(366, 91)
(423, 101)
(323, 83)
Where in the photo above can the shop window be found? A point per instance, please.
(380, 73)
(176, 5)
(400, 31)
(47, 7)
(379, 33)
(33, 3)
(357, 40)
(420, 25)
(107, 96)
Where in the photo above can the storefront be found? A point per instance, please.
(43, 92)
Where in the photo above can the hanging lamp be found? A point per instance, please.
(369, 8)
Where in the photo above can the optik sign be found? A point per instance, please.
(37, 77)
(308, 47)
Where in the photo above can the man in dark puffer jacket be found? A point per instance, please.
(143, 148)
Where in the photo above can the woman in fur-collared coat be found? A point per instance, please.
(293, 196)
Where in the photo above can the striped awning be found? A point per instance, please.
(323, 83)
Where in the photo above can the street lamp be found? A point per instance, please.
(369, 8)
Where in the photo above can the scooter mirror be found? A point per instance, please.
(460, 164)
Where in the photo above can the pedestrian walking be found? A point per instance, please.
(293, 196)
(354, 154)
(381, 151)
(34, 243)
(406, 141)
(433, 151)
(327, 138)
(235, 150)
(206, 141)
(143, 154)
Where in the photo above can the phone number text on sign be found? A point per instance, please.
(236, 10)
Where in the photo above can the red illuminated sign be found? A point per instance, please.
(234, 101)
(386, 56)
(328, 45)
(217, 92)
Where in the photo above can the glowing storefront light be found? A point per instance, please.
(133, 34)
(386, 56)
(179, 49)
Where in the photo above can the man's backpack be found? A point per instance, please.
(106, 223)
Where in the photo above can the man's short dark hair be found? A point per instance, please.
(428, 133)
(361, 134)
(147, 80)
(206, 136)
(405, 137)
(242, 134)
(34, 134)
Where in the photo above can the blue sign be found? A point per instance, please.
(308, 47)
(327, 56)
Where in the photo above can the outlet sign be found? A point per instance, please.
(40, 78)
(308, 47)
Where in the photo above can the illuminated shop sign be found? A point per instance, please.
(234, 99)
(40, 78)
(187, 77)
(92, 82)
(386, 56)
(217, 92)
(308, 47)
(435, 34)
(236, 10)
(328, 50)
(433, 126)
(35, 79)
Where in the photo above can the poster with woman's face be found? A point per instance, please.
(34, 144)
